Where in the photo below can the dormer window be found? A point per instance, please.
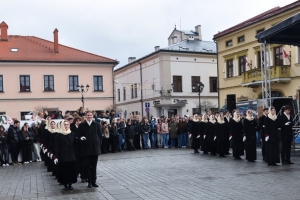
(14, 50)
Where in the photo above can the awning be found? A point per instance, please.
(285, 32)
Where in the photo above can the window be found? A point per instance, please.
(135, 90)
(98, 83)
(131, 91)
(2, 113)
(242, 65)
(177, 81)
(124, 93)
(48, 83)
(241, 39)
(278, 56)
(25, 83)
(118, 94)
(195, 81)
(1, 83)
(229, 68)
(73, 82)
(23, 115)
(258, 60)
(260, 30)
(229, 43)
(213, 84)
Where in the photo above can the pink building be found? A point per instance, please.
(36, 73)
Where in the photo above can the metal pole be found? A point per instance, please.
(82, 99)
(199, 103)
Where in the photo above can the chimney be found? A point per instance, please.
(156, 48)
(55, 32)
(4, 27)
(198, 30)
(131, 59)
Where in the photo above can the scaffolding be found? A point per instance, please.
(265, 73)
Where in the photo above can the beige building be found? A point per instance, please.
(239, 63)
(36, 73)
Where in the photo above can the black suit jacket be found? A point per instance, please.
(93, 135)
(65, 147)
(286, 130)
(261, 124)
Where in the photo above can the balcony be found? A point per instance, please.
(278, 74)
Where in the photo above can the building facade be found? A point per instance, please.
(38, 74)
(161, 83)
(239, 59)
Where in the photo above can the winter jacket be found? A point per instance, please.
(164, 128)
(145, 128)
(158, 128)
(173, 129)
(130, 131)
(13, 135)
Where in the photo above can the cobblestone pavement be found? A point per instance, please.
(161, 174)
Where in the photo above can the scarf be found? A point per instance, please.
(272, 117)
(235, 118)
(248, 117)
(65, 132)
(220, 121)
(211, 120)
(52, 130)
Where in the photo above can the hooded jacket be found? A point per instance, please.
(13, 135)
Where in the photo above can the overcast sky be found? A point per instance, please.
(119, 29)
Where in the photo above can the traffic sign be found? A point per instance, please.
(147, 109)
(147, 105)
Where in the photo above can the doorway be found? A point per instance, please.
(172, 112)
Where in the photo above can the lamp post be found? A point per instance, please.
(82, 91)
(200, 86)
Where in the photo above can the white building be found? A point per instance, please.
(161, 83)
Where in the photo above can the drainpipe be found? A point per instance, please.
(141, 76)
(113, 82)
(218, 74)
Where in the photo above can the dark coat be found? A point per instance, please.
(130, 131)
(65, 147)
(261, 123)
(189, 126)
(13, 135)
(236, 130)
(3, 140)
(196, 130)
(145, 128)
(23, 136)
(249, 130)
(113, 132)
(211, 131)
(286, 130)
(93, 135)
(221, 132)
(271, 129)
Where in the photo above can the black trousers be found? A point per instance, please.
(263, 148)
(26, 152)
(82, 167)
(137, 140)
(91, 167)
(14, 150)
(3, 155)
(286, 151)
(113, 144)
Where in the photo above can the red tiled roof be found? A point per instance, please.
(258, 18)
(34, 49)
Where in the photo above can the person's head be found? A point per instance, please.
(114, 124)
(66, 125)
(209, 112)
(199, 117)
(77, 121)
(249, 113)
(67, 112)
(227, 113)
(217, 114)
(221, 117)
(25, 127)
(273, 111)
(205, 117)
(112, 112)
(191, 118)
(16, 123)
(172, 119)
(265, 111)
(89, 115)
(166, 120)
(70, 119)
(146, 121)
(81, 109)
(287, 110)
(128, 121)
(118, 121)
(52, 125)
(2, 128)
(183, 120)
(212, 117)
(41, 114)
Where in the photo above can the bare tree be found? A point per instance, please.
(205, 105)
(38, 109)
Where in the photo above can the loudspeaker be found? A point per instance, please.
(231, 103)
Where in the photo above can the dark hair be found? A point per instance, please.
(76, 119)
(271, 108)
(287, 107)
(16, 122)
(265, 109)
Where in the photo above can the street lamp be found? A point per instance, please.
(82, 91)
(200, 86)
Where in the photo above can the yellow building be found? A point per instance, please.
(239, 65)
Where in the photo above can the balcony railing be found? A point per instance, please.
(254, 75)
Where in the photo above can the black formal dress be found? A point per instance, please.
(261, 123)
(196, 131)
(65, 153)
(286, 137)
(250, 127)
(204, 141)
(227, 133)
(222, 138)
(210, 134)
(272, 145)
(236, 131)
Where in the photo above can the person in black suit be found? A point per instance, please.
(227, 119)
(262, 129)
(65, 156)
(90, 133)
(286, 124)
(236, 131)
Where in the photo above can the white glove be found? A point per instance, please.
(263, 126)
(45, 150)
(83, 138)
(198, 136)
(48, 154)
(267, 138)
(288, 123)
(204, 136)
(215, 137)
(55, 161)
(51, 156)
(41, 146)
(244, 138)
(190, 135)
(230, 137)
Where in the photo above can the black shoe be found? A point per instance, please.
(196, 151)
(89, 185)
(71, 187)
(289, 162)
(251, 160)
(272, 164)
(205, 153)
(95, 185)
(221, 156)
(66, 187)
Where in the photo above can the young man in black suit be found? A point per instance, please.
(90, 133)
(286, 124)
